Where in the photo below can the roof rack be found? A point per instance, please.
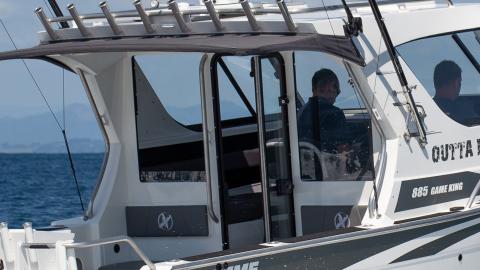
(181, 16)
(184, 18)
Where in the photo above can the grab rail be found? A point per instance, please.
(101, 242)
(206, 139)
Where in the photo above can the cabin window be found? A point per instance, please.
(237, 89)
(334, 129)
(169, 117)
(471, 40)
(448, 67)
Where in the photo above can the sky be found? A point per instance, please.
(18, 94)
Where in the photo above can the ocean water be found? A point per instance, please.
(40, 188)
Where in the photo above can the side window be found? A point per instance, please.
(334, 129)
(447, 66)
(166, 105)
(237, 89)
(472, 42)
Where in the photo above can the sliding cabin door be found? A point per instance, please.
(252, 145)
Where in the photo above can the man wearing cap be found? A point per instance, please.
(320, 120)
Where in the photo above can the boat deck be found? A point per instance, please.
(135, 265)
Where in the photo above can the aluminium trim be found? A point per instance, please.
(383, 156)
(262, 148)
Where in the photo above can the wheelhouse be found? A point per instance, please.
(216, 140)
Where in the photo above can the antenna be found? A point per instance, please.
(58, 12)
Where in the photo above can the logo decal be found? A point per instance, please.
(341, 220)
(165, 221)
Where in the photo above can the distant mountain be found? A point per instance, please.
(40, 134)
(193, 114)
(76, 146)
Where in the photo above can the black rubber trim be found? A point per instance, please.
(421, 217)
(223, 253)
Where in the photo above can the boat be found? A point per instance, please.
(217, 156)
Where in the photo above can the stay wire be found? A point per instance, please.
(49, 8)
(63, 99)
(328, 17)
(64, 133)
(73, 170)
(52, 113)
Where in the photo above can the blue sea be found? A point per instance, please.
(40, 188)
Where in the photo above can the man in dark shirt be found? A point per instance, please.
(321, 122)
(447, 79)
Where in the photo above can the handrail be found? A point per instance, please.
(100, 242)
(106, 140)
(262, 148)
(473, 195)
(204, 106)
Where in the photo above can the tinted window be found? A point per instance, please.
(235, 81)
(168, 95)
(472, 41)
(333, 127)
(175, 80)
(447, 73)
